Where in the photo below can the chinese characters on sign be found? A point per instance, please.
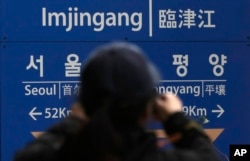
(172, 19)
(51, 88)
(196, 88)
(72, 66)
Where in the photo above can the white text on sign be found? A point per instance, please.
(49, 113)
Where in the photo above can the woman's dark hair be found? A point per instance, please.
(117, 76)
(117, 81)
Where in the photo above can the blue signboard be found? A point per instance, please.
(201, 48)
(40, 80)
(147, 20)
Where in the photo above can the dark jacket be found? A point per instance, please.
(72, 140)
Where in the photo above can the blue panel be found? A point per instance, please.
(201, 48)
(150, 20)
(1, 97)
(207, 76)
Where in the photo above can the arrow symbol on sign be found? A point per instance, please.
(220, 111)
(204, 120)
(32, 113)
